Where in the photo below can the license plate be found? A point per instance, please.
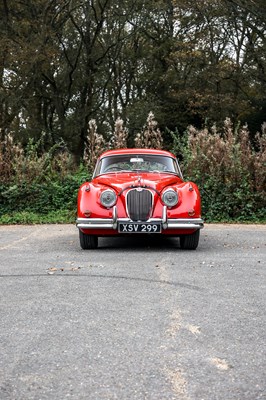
(139, 228)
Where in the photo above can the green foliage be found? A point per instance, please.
(37, 186)
(50, 201)
(28, 217)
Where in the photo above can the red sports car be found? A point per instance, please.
(138, 191)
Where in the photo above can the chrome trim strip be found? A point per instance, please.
(96, 226)
(185, 223)
(150, 220)
(95, 223)
(185, 226)
(104, 223)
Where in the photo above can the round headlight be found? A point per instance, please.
(170, 198)
(108, 198)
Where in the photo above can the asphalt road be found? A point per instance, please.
(135, 319)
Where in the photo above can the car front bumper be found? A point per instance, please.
(112, 223)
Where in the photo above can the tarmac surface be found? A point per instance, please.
(138, 318)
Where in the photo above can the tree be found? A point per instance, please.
(65, 62)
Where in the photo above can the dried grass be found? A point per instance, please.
(151, 136)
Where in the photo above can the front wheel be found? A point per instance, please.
(88, 241)
(190, 242)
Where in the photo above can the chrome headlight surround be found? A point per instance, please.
(108, 198)
(170, 197)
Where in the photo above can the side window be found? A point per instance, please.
(97, 168)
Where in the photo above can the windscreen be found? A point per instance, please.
(140, 162)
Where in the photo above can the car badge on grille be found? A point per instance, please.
(139, 189)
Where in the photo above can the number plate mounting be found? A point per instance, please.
(139, 227)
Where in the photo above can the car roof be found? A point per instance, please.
(137, 151)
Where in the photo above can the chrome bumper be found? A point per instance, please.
(112, 223)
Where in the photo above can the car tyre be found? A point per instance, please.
(88, 241)
(190, 242)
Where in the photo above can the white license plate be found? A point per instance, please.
(139, 227)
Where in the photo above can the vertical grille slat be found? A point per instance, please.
(139, 204)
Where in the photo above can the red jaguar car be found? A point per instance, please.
(138, 191)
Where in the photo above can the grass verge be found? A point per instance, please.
(27, 217)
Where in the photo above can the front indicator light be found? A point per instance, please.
(170, 198)
(108, 198)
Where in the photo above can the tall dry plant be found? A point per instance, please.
(214, 153)
(150, 137)
(11, 157)
(119, 139)
(18, 164)
(228, 169)
(260, 161)
(94, 145)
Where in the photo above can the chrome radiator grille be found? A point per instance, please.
(139, 204)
